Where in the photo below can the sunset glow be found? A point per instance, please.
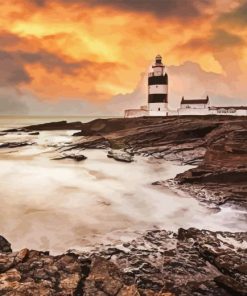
(94, 50)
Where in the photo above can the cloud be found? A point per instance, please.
(12, 71)
(9, 39)
(93, 51)
(51, 61)
(160, 8)
(188, 80)
(222, 38)
(11, 102)
(54, 76)
(236, 17)
(192, 82)
(216, 40)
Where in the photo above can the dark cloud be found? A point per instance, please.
(184, 9)
(217, 40)
(221, 38)
(12, 65)
(51, 61)
(39, 2)
(161, 8)
(12, 71)
(8, 39)
(238, 16)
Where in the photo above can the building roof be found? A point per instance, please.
(191, 102)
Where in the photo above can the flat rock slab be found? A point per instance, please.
(15, 144)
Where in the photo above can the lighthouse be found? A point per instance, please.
(158, 89)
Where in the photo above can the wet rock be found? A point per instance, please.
(95, 142)
(75, 157)
(231, 285)
(120, 156)
(190, 262)
(104, 279)
(221, 177)
(34, 133)
(5, 246)
(50, 126)
(15, 144)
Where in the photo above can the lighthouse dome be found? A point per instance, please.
(158, 60)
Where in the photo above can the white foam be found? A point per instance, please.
(57, 205)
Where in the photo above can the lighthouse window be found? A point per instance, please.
(158, 109)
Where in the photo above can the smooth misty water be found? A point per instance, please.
(57, 205)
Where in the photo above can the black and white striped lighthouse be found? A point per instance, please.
(158, 89)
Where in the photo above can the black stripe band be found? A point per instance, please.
(158, 80)
(157, 98)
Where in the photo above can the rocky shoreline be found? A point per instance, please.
(190, 262)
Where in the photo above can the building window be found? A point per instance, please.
(222, 110)
(158, 109)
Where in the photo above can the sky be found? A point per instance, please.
(76, 57)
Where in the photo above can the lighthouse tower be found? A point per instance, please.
(158, 89)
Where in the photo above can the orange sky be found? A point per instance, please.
(96, 49)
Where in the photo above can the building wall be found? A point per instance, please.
(164, 111)
(241, 112)
(157, 107)
(135, 113)
(196, 111)
(158, 89)
(231, 111)
(193, 106)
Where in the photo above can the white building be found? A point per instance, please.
(229, 110)
(194, 107)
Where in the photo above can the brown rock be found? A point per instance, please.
(21, 255)
(4, 245)
(104, 278)
(129, 291)
(70, 282)
(9, 281)
(231, 285)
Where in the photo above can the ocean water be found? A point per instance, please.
(7, 122)
(59, 205)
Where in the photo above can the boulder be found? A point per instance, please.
(5, 246)
(120, 156)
